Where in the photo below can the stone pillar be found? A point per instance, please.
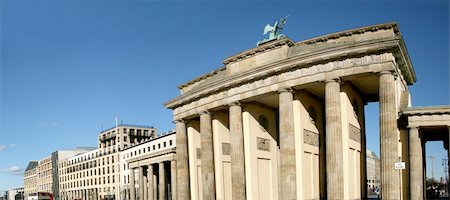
(209, 188)
(287, 145)
(388, 137)
(415, 165)
(132, 186)
(141, 183)
(333, 141)
(237, 153)
(173, 175)
(145, 188)
(183, 189)
(162, 182)
(150, 182)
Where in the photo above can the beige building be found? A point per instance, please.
(151, 166)
(373, 171)
(285, 120)
(30, 179)
(44, 175)
(96, 174)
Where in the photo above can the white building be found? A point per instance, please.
(155, 157)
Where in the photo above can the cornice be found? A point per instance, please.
(346, 33)
(258, 50)
(426, 110)
(202, 77)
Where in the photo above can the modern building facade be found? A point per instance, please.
(373, 171)
(44, 177)
(30, 179)
(285, 120)
(148, 170)
(44, 170)
(96, 174)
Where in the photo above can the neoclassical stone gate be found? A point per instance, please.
(285, 120)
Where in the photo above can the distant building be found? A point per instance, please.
(14, 194)
(373, 171)
(96, 174)
(30, 179)
(42, 175)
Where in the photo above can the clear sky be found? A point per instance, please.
(69, 67)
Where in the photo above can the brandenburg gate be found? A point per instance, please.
(285, 120)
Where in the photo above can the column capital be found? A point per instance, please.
(334, 80)
(205, 112)
(178, 121)
(285, 89)
(386, 72)
(234, 103)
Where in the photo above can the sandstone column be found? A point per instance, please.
(333, 141)
(162, 182)
(141, 183)
(415, 165)
(237, 152)
(173, 175)
(183, 190)
(388, 137)
(209, 188)
(145, 188)
(287, 145)
(150, 182)
(132, 186)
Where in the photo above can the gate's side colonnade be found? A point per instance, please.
(286, 120)
(424, 124)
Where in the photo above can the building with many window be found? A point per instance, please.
(30, 179)
(96, 174)
(373, 171)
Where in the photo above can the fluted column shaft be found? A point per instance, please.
(150, 182)
(237, 153)
(162, 182)
(415, 165)
(388, 137)
(333, 141)
(287, 145)
(145, 188)
(209, 187)
(183, 190)
(132, 187)
(173, 175)
(141, 183)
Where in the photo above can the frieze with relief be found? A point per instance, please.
(310, 138)
(354, 133)
(263, 144)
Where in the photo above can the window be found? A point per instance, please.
(164, 144)
(170, 142)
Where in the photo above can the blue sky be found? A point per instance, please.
(69, 67)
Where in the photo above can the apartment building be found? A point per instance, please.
(44, 180)
(30, 179)
(42, 175)
(373, 171)
(153, 169)
(96, 174)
